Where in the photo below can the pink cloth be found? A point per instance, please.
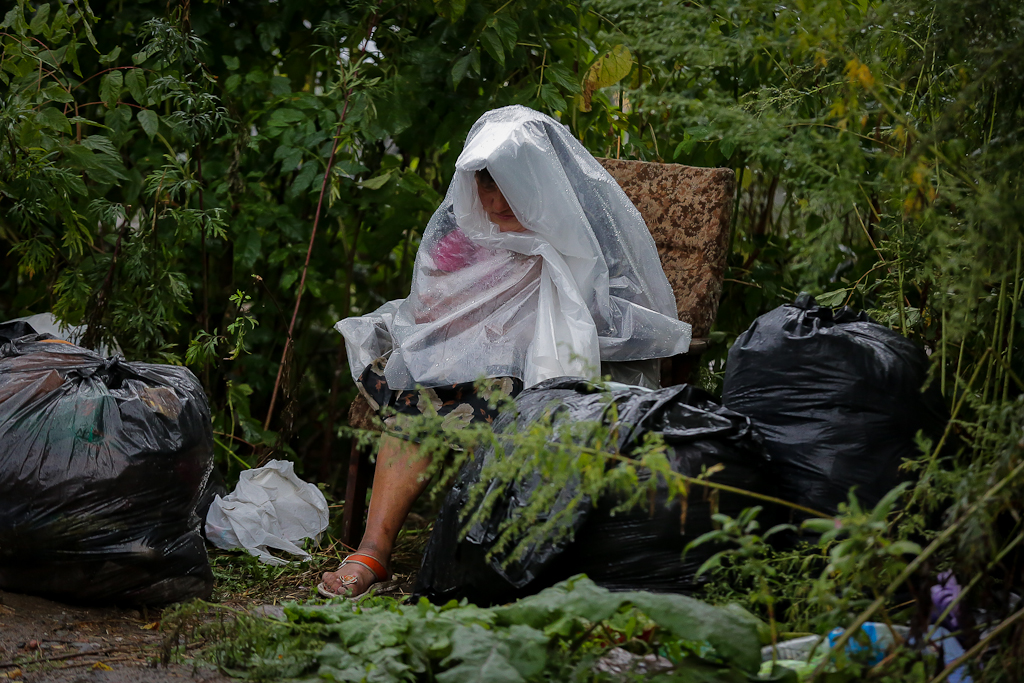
(455, 251)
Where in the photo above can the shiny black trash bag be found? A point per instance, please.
(838, 399)
(102, 465)
(641, 549)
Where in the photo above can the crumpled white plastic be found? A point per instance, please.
(270, 508)
(583, 285)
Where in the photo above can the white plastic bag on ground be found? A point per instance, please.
(270, 508)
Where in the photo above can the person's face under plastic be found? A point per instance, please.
(496, 206)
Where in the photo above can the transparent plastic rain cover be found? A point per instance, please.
(582, 284)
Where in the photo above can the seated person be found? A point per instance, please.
(536, 265)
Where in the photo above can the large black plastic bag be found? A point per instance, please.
(634, 550)
(837, 397)
(102, 464)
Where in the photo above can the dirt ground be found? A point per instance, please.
(42, 641)
(47, 642)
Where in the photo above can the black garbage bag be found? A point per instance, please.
(102, 465)
(838, 398)
(14, 329)
(641, 549)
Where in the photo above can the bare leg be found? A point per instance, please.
(396, 485)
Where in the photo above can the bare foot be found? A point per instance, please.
(352, 579)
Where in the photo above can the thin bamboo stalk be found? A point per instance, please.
(942, 363)
(959, 367)
(902, 308)
(1017, 286)
(997, 342)
(305, 267)
(974, 582)
(912, 567)
(956, 410)
(312, 237)
(977, 649)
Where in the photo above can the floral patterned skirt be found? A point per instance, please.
(458, 404)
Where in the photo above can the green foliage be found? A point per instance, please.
(153, 157)
(563, 463)
(861, 133)
(162, 167)
(202, 349)
(557, 634)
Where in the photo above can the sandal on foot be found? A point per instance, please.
(375, 566)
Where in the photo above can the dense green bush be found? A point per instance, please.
(162, 168)
(156, 165)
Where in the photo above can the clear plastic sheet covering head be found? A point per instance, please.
(582, 284)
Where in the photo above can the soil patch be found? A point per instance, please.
(42, 641)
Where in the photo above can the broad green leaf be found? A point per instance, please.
(710, 563)
(562, 77)
(611, 67)
(280, 85)
(60, 23)
(286, 117)
(482, 656)
(579, 597)
(54, 119)
(726, 147)
(288, 278)
(289, 157)
(461, 68)
(110, 88)
(100, 143)
(528, 649)
(247, 248)
(686, 145)
(349, 167)
(150, 122)
(73, 53)
(135, 79)
(451, 10)
(550, 96)
(53, 58)
(507, 28)
(15, 18)
(39, 20)
(87, 25)
(307, 176)
(884, 506)
(111, 57)
(904, 548)
(734, 637)
(834, 298)
(492, 43)
(819, 526)
(377, 182)
(231, 62)
(384, 630)
(98, 157)
(607, 70)
(55, 93)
